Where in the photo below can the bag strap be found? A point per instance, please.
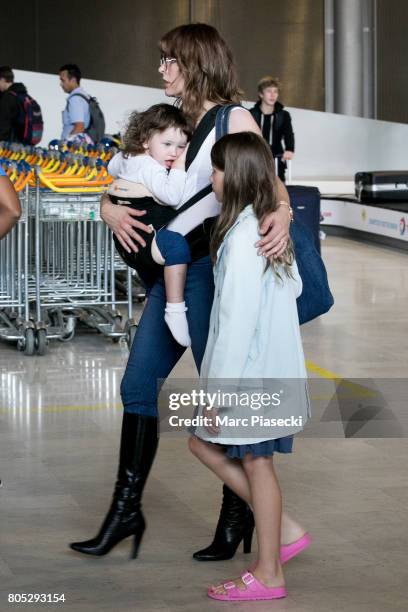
(218, 116)
(222, 120)
(193, 200)
(19, 96)
(203, 129)
(80, 96)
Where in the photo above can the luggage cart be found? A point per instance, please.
(15, 322)
(74, 267)
(59, 265)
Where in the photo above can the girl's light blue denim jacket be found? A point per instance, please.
(254, 327)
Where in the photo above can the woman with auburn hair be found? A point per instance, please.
(197, 69)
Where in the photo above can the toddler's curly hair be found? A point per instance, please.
(157, 118)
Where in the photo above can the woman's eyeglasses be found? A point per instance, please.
(166, 61)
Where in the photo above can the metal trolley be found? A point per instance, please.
(58, 266)
(15, 322)
(73, 268)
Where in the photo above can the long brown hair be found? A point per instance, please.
(206, 64)
(141, 126)
(249, 178)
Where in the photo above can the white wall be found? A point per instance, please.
(328, 146)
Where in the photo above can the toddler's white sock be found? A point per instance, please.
(175, 317)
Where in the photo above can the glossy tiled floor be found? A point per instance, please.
(59, 423)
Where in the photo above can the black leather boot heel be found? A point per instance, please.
(137, 450)
(235, 524)
(137, 539)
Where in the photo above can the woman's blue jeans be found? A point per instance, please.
(154, 352)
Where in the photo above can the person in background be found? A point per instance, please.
(10, 209)
(76, 116)
(275, 122)
(9, 104)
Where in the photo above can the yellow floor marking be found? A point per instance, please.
(357, 389)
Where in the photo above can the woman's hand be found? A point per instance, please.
(275, 232)
(122, 221)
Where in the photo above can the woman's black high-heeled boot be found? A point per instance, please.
(138, 447)
(235, 524)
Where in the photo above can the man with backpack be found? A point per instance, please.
(20, 115)
(82, 117)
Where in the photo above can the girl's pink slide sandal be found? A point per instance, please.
(254, 590)
(288, 551)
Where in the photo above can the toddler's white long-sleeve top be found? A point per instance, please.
(166, 186)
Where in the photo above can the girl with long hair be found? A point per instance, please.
(254, 336)
(197, 68)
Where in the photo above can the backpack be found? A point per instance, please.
(29, 125)
(96, 128)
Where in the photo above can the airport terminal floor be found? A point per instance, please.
(60, 421)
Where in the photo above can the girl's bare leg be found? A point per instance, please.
(232, 473)
(254, 480)
(228, 470)
(267, 506)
